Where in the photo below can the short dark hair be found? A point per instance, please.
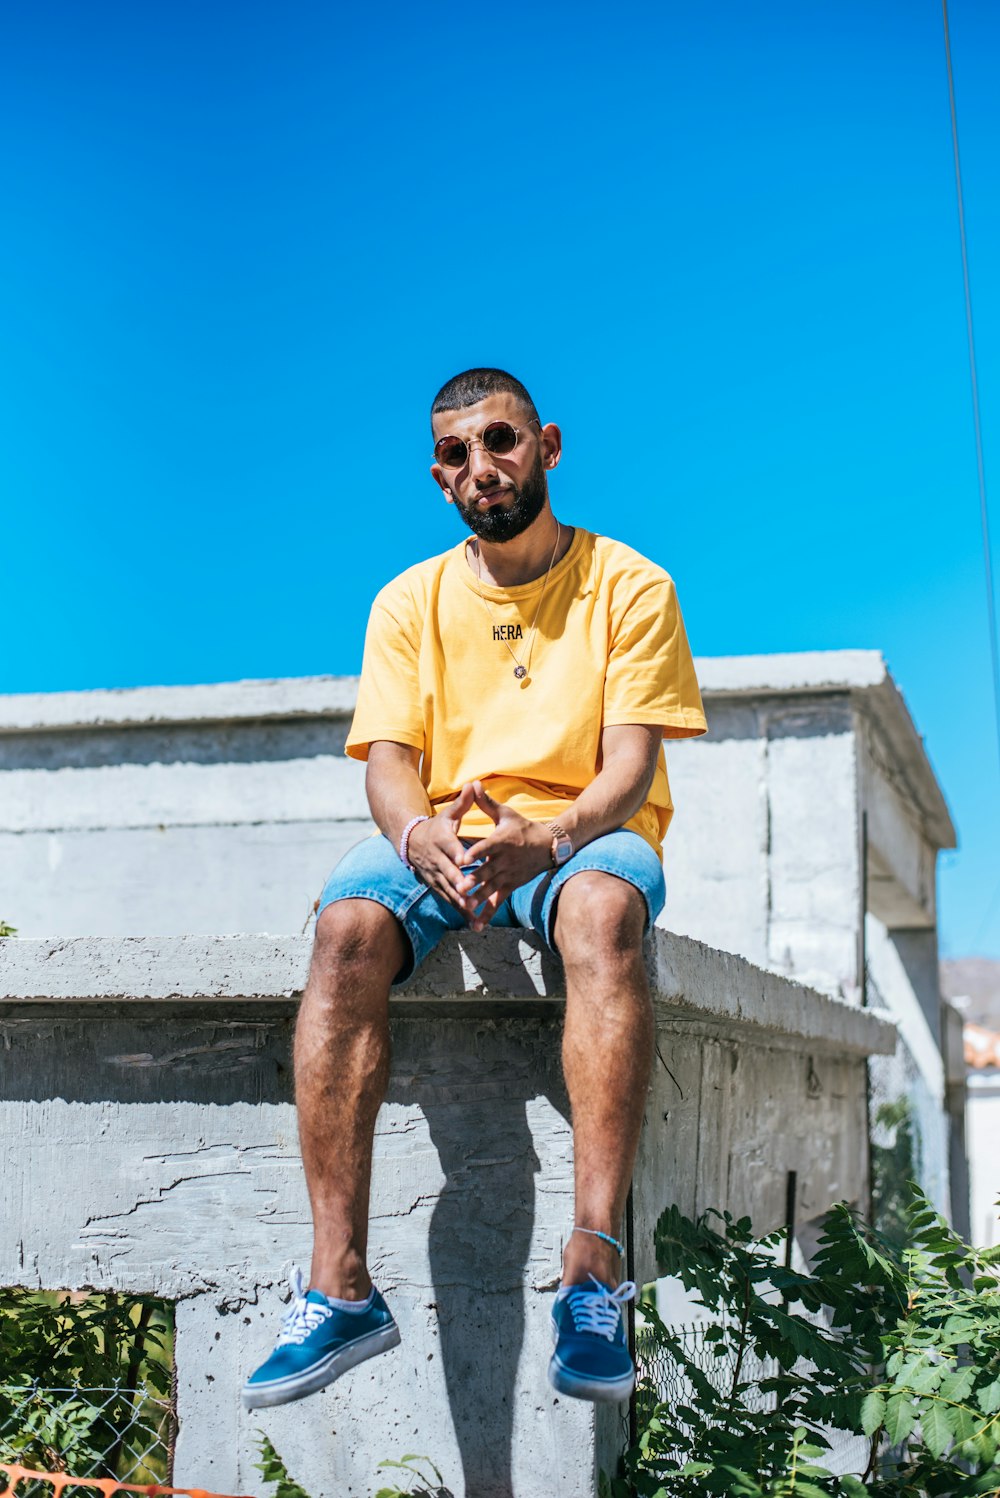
(474, 385)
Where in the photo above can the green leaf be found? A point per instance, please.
(988, 1398)
(925, 1378)
(936, 1427)
(900, 1418)
(958, 1384)
(872, 1412)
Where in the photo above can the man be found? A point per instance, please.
(514, 696)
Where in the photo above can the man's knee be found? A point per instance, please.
(358, 934)
(599, 915)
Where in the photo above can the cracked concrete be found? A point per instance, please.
(149, 1082)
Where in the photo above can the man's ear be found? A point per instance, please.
(437, 474)
(551, 444)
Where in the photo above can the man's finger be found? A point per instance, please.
(490, 906)
(454, 849)
(493, 885)
(455, 877)
(462, 803)
(457, 893)
(479, 850)
(485, 801)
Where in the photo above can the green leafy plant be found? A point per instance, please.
(274, 1470)
(7, 930)
(895, 1164)
(120, 1344)
(412, 1465)
(899, 1349)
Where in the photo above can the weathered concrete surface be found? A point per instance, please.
(165, 1120)
(811, 803)
(213, 702)
(118, 882)
(182, 824)
(223, 807)
(903, 978)
(764, 856)
(687, 977)
(865, 677)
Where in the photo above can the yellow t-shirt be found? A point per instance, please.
(610, 649)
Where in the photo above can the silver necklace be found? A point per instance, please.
(520, 668)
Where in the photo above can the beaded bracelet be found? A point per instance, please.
(605, 1237)
(404, 841)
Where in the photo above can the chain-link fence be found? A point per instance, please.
(659, 1372)
(660, 1379)
(113, 1432)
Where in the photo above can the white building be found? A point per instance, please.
(973, 986)
(147, 1118)
(147, 1066)
(806, 834)
(806, 838)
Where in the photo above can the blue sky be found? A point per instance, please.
(244, 244)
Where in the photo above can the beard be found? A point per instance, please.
(504, 522)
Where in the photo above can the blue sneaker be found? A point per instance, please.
(591, 1358)
(318, 1343)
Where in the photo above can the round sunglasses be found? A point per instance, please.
(498, 438)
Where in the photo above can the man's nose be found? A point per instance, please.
(481, 464)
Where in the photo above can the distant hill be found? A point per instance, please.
(978, 980)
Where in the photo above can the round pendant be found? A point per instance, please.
(520, 671)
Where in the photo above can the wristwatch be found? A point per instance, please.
(561, 850)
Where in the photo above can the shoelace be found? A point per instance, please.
(305, 1315)
(599, 1313)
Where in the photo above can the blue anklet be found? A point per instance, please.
(605, 1238)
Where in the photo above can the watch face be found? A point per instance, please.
(564, 850)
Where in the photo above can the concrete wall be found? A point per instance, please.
(982, 1122)
(762, 856)
(171, 828)
(223, 808)
(916, 1071)
(147, 1083)
(811, 800)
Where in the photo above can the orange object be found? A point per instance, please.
(982, 1047)
(106, 1485)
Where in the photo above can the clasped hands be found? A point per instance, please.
(515, 851)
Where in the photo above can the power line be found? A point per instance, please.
(984, 515)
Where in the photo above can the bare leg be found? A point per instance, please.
(341, 1073)
(607, 1055)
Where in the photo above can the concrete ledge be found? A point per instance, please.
(335, 696)
(209, 702)
(690, 980)
(792, 671)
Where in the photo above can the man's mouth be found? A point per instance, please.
(489, 497)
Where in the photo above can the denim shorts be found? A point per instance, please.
(372, 871)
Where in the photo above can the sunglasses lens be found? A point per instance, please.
(451, 452)
(499, 438)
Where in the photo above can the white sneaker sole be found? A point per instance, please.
(311, 1380)
(607, 1391)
